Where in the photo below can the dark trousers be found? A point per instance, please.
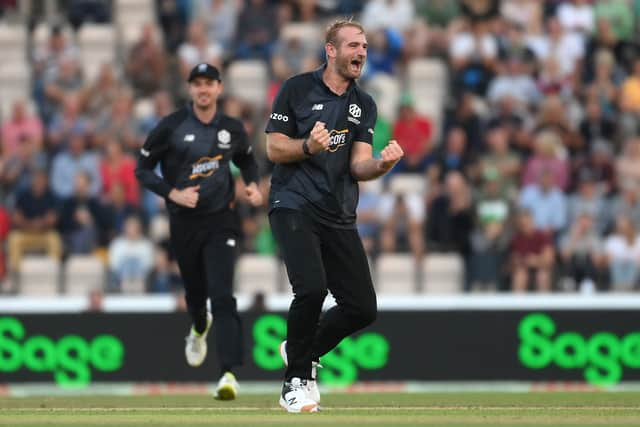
(321, 258)
(206, 252)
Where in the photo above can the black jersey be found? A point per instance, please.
(191, 153)
(321, 185)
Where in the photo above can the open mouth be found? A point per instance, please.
(356, 64)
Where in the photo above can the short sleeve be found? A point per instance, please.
(282, 118)
(364, 131)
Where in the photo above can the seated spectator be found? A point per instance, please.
(67, 80)
(629, 102)
(34, 222)
(117, 167)
(465, 116)
(580, 253)
(385, 48)
(79, 11)
(119, 209)
(546, 156)
(627, 162)
(588, 200)
(450, 220)
(622, 251)
(165, 275)
(293, 56)
(19, 167)
(220, 18)
(197, 49)
(146, 67)
(258, 34)
(70, 121)
(453, 155)
(130, 258)
(599, 164)
(604, 87)
(527, 14)
(595, 125)
(96, 99)
(577, 16)
(501, 160)
(532, 256)
(473, 52)
(162, 106)
(20, 126)
(627, 203)
(567, 48)
(402, 220)
(554, 117)
(546, 204)
(119, 123)
(368, 217)
(619, 15)
(69, 162)
(82, 219)
(378, 14)
(414, 133)
(514, 80)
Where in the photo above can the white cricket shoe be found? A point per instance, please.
(227, 387)
(295, 398)
(196, 347)
(312, 384)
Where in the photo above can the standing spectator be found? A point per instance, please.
(580, 252)
(546, 203)
(20, 126)
(622, 251)
(414, 133)
(146, 67)
(130, 258)
(68, 163)
(33, 222)
(532, 256)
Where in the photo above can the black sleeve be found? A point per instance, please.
(282, 118)
(150, 154)
(244, 158)
(364, 131)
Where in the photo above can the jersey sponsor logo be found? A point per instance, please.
(338, 139)
(189, 137)
(205, 166)
(317, 107)
(279, 117)
(145, 152)
(355, 110)
(224, 139)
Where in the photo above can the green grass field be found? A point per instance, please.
(379, 409)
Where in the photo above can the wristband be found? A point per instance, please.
(305, 147)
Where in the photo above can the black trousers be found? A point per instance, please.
(321, 258)
(205, 248)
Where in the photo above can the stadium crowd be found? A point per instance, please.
(531, 173)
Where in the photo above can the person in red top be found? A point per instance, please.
(532, 254)
(21, 125)
(414, 133)
(118, 167)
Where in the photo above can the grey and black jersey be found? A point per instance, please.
(321, 185)
(190, 153)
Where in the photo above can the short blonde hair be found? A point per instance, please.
(333, 29)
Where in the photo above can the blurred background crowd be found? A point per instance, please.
(519, 120)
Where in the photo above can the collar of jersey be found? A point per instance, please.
(213, 122)
(318, 75)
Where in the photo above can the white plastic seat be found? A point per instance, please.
(386, 91)
(395, 274)
(39, 275)
(83, 274)
(408, 183)
(13, 43)
(248, 79)
(257, 273)
(443, 274)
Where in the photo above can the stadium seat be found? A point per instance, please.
(385, 89)
(257, 273)
(97, 47)
(83, 273)
(130, 17)
(395, 274)
(41, 33)
(427, 82)
(403, 183)
(15, 83)
(248, 80)
(39, 275)
(13, 43)
(443, 274)
(307, 32)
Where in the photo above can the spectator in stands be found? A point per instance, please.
(34, 222)
(566, 48)
(473, 52)
(119, 209)
(554, 117)
(20, 126)
(465, 116)
(96, 99)
(173, 17)
(588, 200)
(221, 20)
(627, 163)
(17, 169)
(577, 16)
(629, 102)
(162, 106)
(627, 203)
(599, 164)
(480, 11)
(605, 38)
(452, 156)
(368, 216)
(595, 125)
(117, 168)
(501, 160)
(551, 81)
(82, 218)
(130, 258)
(526, 14)
(79, 11)
(58, 86)
(197, 49)
(70, 121)
(380, 14)
(604, 86)
(514, 81)
(546, 203)
(450, 220)
(164, 276)
(69, 162)
(258, 34)
(119, 123)
(619, 15)
(385, 47)
(292, 55)
(580, 254)
(146, 67)
(402, 220)
(622, 251)
(547, 145)
(532, 256)
(414, 133)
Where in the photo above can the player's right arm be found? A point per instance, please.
(151, 153)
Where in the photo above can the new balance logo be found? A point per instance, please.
(189, 137)
(292, 400)
(317, 107)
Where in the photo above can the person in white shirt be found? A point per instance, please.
(622, 249)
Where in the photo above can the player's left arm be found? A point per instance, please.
(364, 167)
(245, 160)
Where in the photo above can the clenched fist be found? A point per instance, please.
(319, 138)
(390, 155)
(253, 194)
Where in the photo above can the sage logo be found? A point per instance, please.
(601, 356)
(341, 366)
(70, 359)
